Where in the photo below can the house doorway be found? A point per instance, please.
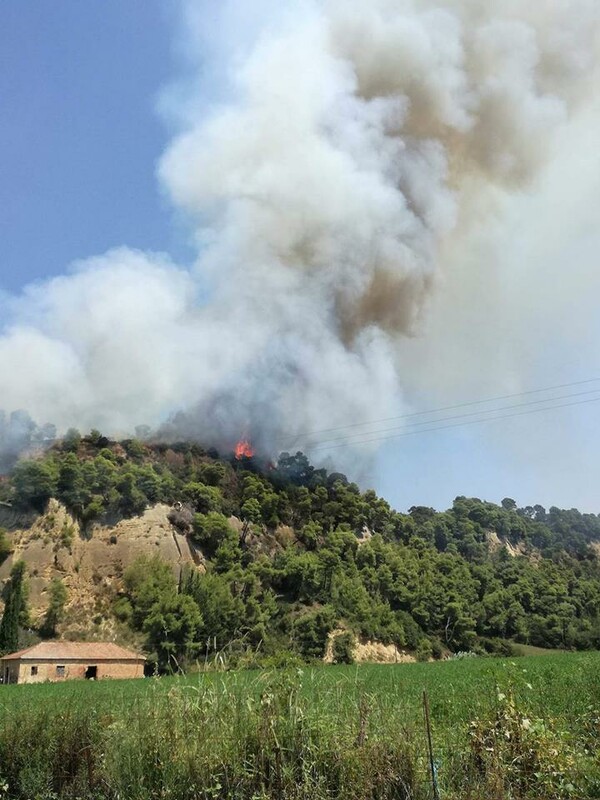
(91, 673)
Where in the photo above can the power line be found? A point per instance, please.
(307, 434)
(462, 416)
(459, 424)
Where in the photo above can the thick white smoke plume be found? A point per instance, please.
(358, 148)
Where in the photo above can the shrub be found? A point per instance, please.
(211, 474)
(67, 534)
(122, 609)
(5, 548)
(437, 648)
(343, 648)
(212, 530)
(424, 651)
(71, 440)
(520, 756)
(204, 498)
(55, 610)
(311, 631)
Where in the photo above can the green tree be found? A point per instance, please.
(250, 511)
(204, 498)
(222, 613)
(71, 440)
(251, 515)
(95, 438)
(172, 627)
(105, 476)
(70, 485)
(309, 535)
(15, 608)
(212, 474)
(212, 530)
(149, 484)
(134, 449)
(311, 631)
(34, 483)
(424, 651)
(147, 581)
(55, 610)
(132, 501)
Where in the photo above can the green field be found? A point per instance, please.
(502, 728)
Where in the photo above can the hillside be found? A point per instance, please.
(193, 555)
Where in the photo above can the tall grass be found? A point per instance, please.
(217, 740)
(502, 729)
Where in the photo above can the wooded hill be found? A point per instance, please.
(288, 554)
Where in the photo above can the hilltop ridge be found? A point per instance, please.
(192, 554)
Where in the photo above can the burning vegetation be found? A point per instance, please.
(244, 449)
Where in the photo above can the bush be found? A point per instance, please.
(212, 530)
(424, 651)
(123, 610)
(92, 511)
(55, 611)
(437, 649)
(5, 548)
(524, 756)
(211, 474)
(204, 498)
(497, 647)
(311, 631)
(71, 440)
(309, 535)
(67, 534)
(343, 648)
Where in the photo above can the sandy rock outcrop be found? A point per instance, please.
(91, 567)
(366, 651)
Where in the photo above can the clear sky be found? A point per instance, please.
(80, 137)
(79, 133)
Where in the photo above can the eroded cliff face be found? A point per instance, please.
(91, 567)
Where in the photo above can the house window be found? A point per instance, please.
(60, 671)
(34, 670)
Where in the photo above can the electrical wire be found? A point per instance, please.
(467, 404)
(461, 416)
(457, 425)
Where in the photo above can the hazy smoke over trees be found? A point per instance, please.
(357, 148)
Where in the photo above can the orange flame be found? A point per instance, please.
(243, 449)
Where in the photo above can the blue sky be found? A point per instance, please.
(79, 133)
(80, 137)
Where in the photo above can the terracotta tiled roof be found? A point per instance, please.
(70, 651)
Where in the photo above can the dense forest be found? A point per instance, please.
(310, 554)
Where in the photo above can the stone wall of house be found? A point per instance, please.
(47, 670)
(9, 671)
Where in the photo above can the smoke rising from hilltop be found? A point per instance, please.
(355, 152)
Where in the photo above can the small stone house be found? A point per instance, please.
(63, 661)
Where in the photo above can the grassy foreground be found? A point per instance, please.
(521, 728)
